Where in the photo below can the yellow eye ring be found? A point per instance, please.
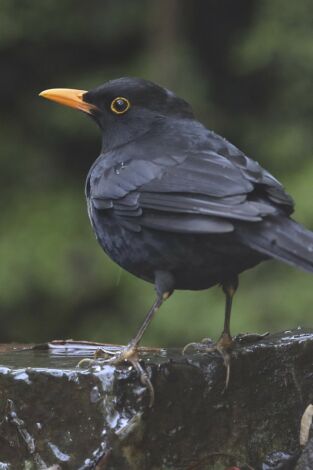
(120, 105)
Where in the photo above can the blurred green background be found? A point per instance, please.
(247, 68)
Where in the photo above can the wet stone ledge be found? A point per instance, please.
(54, 415)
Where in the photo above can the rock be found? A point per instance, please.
(280, 461)
(55, 415)
(305, 462)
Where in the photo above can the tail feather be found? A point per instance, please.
(281, 238)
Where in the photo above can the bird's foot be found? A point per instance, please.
(248, 338)
(224, 346)
(128, 353)
(116, 357)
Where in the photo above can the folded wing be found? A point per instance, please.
(205, 191)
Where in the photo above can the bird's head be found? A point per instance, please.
(124, 108)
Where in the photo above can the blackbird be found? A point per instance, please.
(176, 204)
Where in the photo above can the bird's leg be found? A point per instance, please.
(225, 343)
(164, 288)
(129, 352)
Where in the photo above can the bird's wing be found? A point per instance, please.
(203, 192)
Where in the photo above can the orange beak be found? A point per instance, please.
(69, 97)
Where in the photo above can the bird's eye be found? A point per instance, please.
(120, 105)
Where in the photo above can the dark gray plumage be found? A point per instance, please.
(173, 193)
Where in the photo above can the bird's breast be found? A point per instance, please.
(195, 261)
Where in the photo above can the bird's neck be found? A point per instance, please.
(123, 135)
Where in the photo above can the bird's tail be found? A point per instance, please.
(281, 238)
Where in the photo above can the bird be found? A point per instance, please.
(176, 204)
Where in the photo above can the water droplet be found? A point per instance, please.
(95, 395)
(119, 167)
(112, 418)
(61, 456)
(5, 466)
(22, 375)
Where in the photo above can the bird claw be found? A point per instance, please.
(116, 358)
(126, 354)
(86, 361)
(99, 357)
(203, 346)
(190, 345)
(144, 378)
(223, 346)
